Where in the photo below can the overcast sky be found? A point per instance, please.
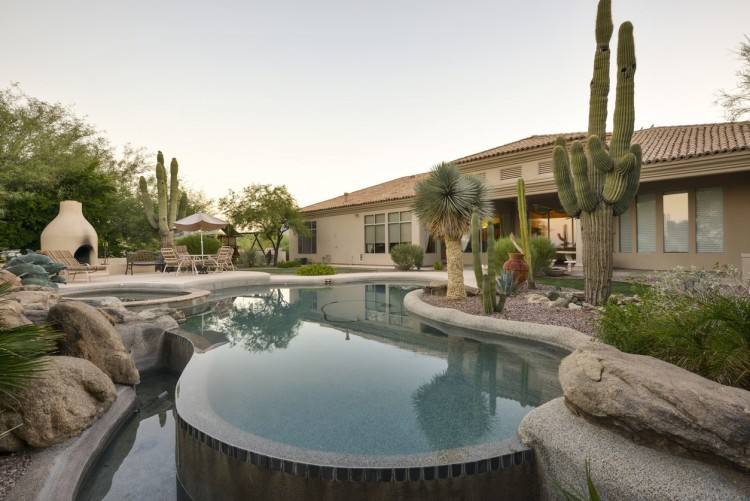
(331, 96)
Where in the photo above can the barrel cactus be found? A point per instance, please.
(598, 181)
(168, 202)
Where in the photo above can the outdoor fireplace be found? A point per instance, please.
(71, 231)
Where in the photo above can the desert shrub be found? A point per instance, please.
(407, 256)
(193, 242)
(316, 269)
(696, 319)
(250, 258)
(437, 265)
(542, 253)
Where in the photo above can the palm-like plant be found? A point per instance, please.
(22, 355)
(444, 202)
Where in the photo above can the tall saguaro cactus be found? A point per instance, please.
(485, 282)
(599, 181)
(168, 202)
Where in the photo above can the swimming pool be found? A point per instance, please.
(330, 389)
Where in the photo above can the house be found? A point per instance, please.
(692, 207)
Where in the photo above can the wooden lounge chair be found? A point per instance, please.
(173, 259)
(72, 266)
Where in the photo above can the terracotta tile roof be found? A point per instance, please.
(659, 144)
(395, 189)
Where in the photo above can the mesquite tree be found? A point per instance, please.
(168, 202)
(599, 182)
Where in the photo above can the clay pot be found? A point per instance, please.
(517, 266)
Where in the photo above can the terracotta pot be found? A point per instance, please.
(517, 266)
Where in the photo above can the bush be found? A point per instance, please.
(542, 252)
(407, 256)
(289, 264)
(437, 265)
(694, 319)
(193, 242)
(250, 258)
(316, 269)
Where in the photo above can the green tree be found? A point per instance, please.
(736, 103)
(270, 210)
(444, 201)
(48, 154)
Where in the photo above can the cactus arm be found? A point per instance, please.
(624, 118)
(579, 167)
(633, 180)
(148, 204)
(599, 155)
(161, 193)
(183, 207)
(476, 248)
(174, 193)
(561, 170)
(600, 79)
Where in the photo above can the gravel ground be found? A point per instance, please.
(12, 467)
(517, 308)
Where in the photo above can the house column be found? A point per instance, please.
(579, 245)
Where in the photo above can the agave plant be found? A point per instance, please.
(22, 354)
(444, 202)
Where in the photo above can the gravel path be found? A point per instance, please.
(517, 308)
(12, 467)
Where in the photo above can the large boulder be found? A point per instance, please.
(41, 299)
(90, 335)
(11, 315)
(9, 278)
(143, 338)
(658, 403)
(65, 399)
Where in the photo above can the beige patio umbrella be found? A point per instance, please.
(200, 222)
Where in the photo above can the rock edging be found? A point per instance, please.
(560, 337)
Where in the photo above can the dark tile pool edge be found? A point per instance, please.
(357, 474)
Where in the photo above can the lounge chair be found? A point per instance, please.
(72, 266)
(224, 258)
(173, 259)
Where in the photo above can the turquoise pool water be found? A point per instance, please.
(345, 372)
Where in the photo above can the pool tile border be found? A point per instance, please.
(354, 474)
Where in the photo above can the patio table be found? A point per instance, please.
(199, 262)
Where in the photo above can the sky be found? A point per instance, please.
(328, 96)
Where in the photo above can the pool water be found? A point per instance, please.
(346, 371)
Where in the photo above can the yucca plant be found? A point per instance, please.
(444, 202)
(22, 354)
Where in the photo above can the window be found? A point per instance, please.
(399, 228)
(676, 222)
(709, 220)
(375, 234)
(645, 209)
(626, 230)
(308, 244)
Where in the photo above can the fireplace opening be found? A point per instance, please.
(83, 254)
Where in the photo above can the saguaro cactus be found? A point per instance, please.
(523, 218)
(167, 202)
(599, 181)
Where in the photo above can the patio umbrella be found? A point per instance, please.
(200, 222)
